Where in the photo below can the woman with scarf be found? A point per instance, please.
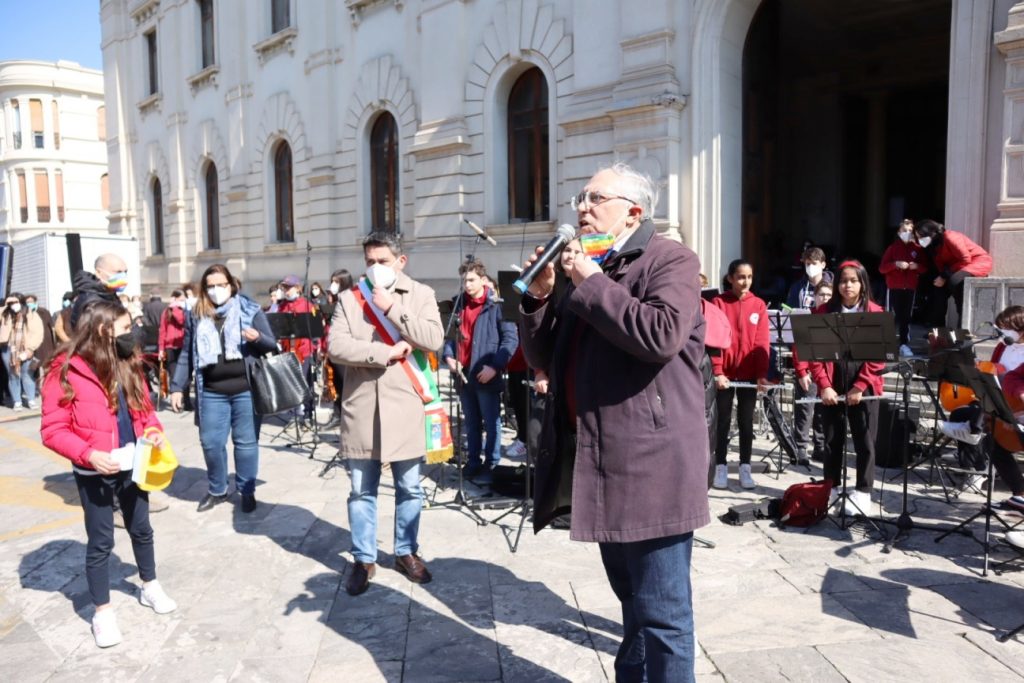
(224, 333)
(21, 333)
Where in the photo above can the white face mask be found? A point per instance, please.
(316, 291)
(906, 235)
(814, 270)
(924, 242)
(381, 275)
(335, 288)
(219, 294)
(15, 308)
(291, 296)
(1014, 335)
(190, 301)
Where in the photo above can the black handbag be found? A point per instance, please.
(277, 384)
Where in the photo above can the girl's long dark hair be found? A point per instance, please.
(731, 270)
(835, 304)
(93, 342)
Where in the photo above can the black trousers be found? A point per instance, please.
(746, 400)
(863, 428)
(901, 303)
(939, 297)
(171, 362)
(97, 493)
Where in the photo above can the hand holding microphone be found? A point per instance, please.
(538, 274)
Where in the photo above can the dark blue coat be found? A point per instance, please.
(494, 343)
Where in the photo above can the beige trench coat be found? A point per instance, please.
(381, 413)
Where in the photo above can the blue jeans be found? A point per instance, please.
(652, 581)
(23, 382)
(483, 406)
(219, 414)
(362, 507)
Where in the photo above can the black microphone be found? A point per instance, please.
(480, 232)
(566, 233)
(963, 346)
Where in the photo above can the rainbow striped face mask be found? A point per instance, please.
(597, 246)
(117, 282)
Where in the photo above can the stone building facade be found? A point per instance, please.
(53, 156)
(240, 131)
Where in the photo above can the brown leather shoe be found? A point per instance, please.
(359, 578)
(413, 568)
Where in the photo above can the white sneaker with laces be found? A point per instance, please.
(516, 449)
(18, 407)
(32, 405)
(105, 629)
(976, 481)
(859, 503)
(152, 595)
(833, 495)
(746, 481)
(721, 477)
(960, 431)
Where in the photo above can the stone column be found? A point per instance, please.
(1006, 240)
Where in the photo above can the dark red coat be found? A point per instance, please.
(172, 328)
(870, 374)
(639, 470)
(302, 347)
(958, 252)
(911, 252)
(746, 358)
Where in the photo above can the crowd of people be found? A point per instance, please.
(611, 333)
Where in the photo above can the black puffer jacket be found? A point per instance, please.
(88, 289)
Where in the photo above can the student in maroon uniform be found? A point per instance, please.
(902, 264)
(956, 258)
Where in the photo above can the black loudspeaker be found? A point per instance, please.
(74, 242)
(893, 432)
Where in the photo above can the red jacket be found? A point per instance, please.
(87, 423)
(870, 374)
(957, 252)
(911, 252)
(172, 328)
(1013, 383)
(747, 356)
(302, 347)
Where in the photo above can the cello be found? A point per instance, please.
(1006, 435)
(953, 396)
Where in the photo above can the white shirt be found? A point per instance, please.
(1013, 357)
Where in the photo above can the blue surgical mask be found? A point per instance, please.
(32, 306)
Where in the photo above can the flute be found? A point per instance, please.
(752, 385)
(841, 398)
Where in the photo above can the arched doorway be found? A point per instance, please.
(844, 126)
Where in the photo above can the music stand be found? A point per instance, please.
(843, 338)
(292, 327)
(989, 395)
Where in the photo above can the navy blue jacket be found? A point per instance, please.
(495, 341)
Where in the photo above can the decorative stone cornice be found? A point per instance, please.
(178, 118)
(1013, 37)
(356, 8)
(207, 76)
(322, 58)
(240, 91)
(445, 136)
(150, 104)
(144, 10)
(278, 42)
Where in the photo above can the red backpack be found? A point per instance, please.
(805, 504)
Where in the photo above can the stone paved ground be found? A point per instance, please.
(261, 595)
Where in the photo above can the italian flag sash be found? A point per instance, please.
(416, 367)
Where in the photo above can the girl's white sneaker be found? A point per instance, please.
(152, 595)
(104, 628)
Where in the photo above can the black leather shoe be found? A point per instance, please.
(210, 501)
(359, 578)
(248, 502)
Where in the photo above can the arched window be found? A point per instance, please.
(283, 226)
(158, 218)
(384, 173)
(528, 193)
(211, 207)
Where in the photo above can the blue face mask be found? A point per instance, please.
(32, 305)
(66, 304)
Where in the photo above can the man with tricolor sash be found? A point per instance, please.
(381, 332)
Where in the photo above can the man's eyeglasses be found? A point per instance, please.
(594, 198)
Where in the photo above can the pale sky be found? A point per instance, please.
(50, 30)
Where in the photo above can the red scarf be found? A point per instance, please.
(471, 310)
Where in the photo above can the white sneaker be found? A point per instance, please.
(1015, 538)
(516, 450)
(960, 431)
(905, 351)
(152, 595)
(32, 405)
(976, 482)
(104, 628)
(18, 407)
(721, 477)
(833, 495)
(746, 481)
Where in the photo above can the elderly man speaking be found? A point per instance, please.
(624, 446)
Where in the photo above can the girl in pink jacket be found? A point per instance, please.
(95, 405)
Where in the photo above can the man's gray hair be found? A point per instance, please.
(644, 191)
(381, 238)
